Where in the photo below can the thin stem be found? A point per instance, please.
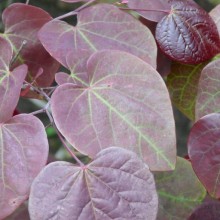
(27, 2)
(24, 42)
(63, 141)
(141, 9)
(75, 12)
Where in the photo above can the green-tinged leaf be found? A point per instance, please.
(182, 84)
(179, 191)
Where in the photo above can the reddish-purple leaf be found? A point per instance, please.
(206, 211)
(182, 83)
(22, 23)
(23, 153)
(204, 152)
(188, 34)
(116, 185)
(99, 27)
(152, 10)
(215, 14)
(208, 97)
(125, 104)
(10, 82)
(179, 191)
(21, 213)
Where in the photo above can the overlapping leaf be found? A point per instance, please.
(204, 152)
(10, 82)
(23, 153)
(188, 34)
(215, 14)
(182, 84)
(208, 98)
(116, 185)
(155, 10)
(179, 191)
(22, 23)
(125, 104)
(99, 27)
(206, 211)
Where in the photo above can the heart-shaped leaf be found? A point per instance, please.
(99, 27)
(116, 185)
(188, 34)
(10, 82)
(206, 211)
(23, 153)
(215, 14)
(22, 23)
(151, 10)
(125, 104)
(179, 191)
(204, 152)
(182, 83)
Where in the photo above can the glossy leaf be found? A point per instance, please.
(10, 82)
(204, 152)
(179, 191)
(23, 153)
(155, 10)
(182, 83)
(22, 23)
(116, 185)
(215, 14)
(188, 34)
(207, 211)
(208, 98)
(99, 27)
(125, 104)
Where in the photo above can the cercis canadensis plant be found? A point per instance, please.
(125, 63)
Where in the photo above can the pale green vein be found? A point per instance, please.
(87, 41)
(150, 142)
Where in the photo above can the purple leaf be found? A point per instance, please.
(10, 82)
(179, 191)
(215, 14)
(208, 97)
(155, 10)
(204, 152)
(206, 211)
(23, 153)
(99, 27)
(125, 104)
(182, 83)
(188, 34)
(22, 23)
(21, 213)
(116, 185)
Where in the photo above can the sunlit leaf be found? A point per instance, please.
(99, 27)
(22, 23)
(188, 34)
(23, 153)
(208, 98)
(179, 191)
(125, 104)
(182, 83)
(204, 152)
(116, 185)
(151, 10)
(206, 211)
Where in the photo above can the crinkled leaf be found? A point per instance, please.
(208, 98)
(204, 152)
(206, 211)
(215, 14)
(179, 191)
(23, 153)
(116, 185)
(157, 7)
(188, 34)
(99, 27)
(125, 104)
(10, 82)
(182, 83)
(22, 23)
